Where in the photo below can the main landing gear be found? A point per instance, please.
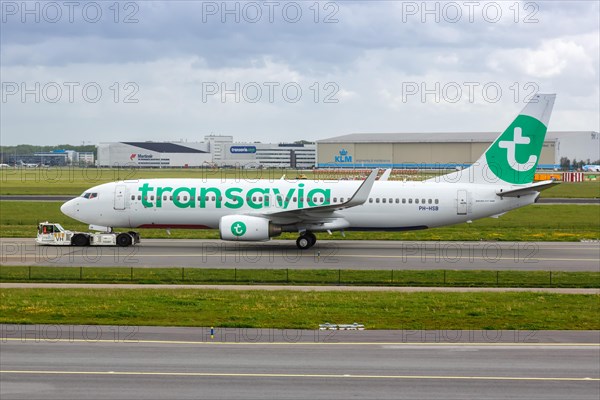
(306, 240)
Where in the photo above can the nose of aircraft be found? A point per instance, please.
(69, 208)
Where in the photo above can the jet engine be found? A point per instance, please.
(247, 228)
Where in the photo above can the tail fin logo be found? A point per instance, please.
(515, 154)
(511, 151)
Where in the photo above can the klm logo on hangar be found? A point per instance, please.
(343, 157)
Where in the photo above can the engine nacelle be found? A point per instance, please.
(247, 228)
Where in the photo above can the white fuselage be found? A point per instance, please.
(200, 203)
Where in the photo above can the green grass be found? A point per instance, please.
(576, 190)
(456, 278)
(73, 181)
(299, 310)
(557, 222)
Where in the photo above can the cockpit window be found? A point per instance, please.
(89, 195)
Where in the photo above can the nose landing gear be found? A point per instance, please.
(306, 240)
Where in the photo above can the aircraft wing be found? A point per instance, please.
(327, 211)
(521, 191)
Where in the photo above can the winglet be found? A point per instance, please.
(386, 174)
(362, 194)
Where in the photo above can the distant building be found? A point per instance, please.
(442, 150)
(216, 150)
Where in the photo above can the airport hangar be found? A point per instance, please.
(442, 150)
(214, 151)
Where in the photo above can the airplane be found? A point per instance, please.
(499, 181)
(27, 165)
(591, 168)
(4, 165)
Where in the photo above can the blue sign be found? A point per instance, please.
(343, 157)
(242, 149)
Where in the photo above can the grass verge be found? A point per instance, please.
(449, 278)
(261, 309)
(558, 222)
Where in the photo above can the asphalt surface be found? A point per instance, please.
(542, 200)
(327, 254)
(74, 362)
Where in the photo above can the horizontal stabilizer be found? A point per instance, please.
(529, 189)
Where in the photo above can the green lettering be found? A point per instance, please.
(251, 192)
(190, 202)
(145, 189)
(159, 194)
(204, 192)
(232, 194)
(284, 202)
(326, 197)
(301, 195)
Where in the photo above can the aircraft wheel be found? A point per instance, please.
(303, 242)
(311, 236)
(124, 240)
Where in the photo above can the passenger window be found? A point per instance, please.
(294, 199)
(213, 198)
(341, 199)
(370, 200)
(132, 197)
(377, 200)
(335, 199)
(220, 198)
(254, 198)
(429, 201)
(383, 200)
(397, 201)
(152, 197)
(139, 196)
(171, 197)
(177, 198)
(391, 201)
(409, 201)
(199, 198)
(416, 201)
(422, 201)
(403, 201)
(436, 201)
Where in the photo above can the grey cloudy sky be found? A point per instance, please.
(276, 71)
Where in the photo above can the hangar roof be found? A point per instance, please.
(432, 137)
(164, 147)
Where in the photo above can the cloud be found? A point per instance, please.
(364, 58)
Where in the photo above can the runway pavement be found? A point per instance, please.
(74, 362)
(327, 254)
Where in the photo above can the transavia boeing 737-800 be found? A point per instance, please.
(501, 180)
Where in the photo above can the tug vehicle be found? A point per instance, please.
(54, 234)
